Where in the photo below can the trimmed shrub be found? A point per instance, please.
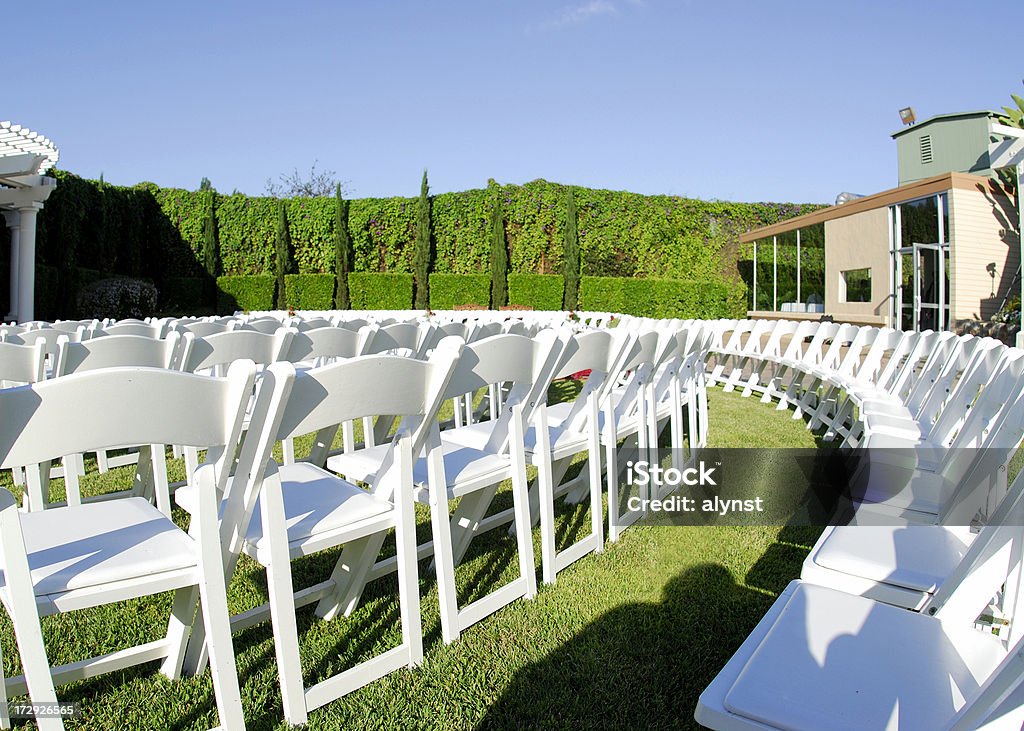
(309, 291)
(249, 293)
(539, 291)
(374, 291)
(657, 297)
(284, 262)
(47, 292)
(342, 251)
(602, 294)
(449, 290)
(119, 298)
(499, 258)
(184, 293)
(421, 249)
(571, 254)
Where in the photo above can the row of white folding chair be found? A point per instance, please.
(83, 556)
(905, 564)
(815, 661)
(950, 573)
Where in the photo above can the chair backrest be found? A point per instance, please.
(401, 336)
(224, 347)
(268, 325)
(919, 375)
(905, 353)
(597, 351)
(139, 328)
(320, 398)
(203, 329)
(20, 364)
(958, 386)
(125, 407)
(814, 352)
(528, 363)
(313, 323)
(117, 350)
(326, 342)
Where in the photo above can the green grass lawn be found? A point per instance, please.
(626, 638)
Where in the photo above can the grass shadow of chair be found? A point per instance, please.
(640, 664)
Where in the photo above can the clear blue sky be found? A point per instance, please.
(729, 100)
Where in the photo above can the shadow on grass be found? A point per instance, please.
(640, 665)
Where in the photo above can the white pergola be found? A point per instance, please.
(24, 158)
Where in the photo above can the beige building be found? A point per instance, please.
(917, 257)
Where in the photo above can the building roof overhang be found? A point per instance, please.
(917, 189)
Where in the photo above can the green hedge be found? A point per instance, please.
(539, 291)
(450, 290)
(657, 297)
(184, 293)
(309, 291)
(372, 291)
(249, 293)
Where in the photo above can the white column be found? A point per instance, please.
(13, 219)
(27, 262)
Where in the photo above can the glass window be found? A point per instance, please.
(785, 270)
(765, 276)
(920, 222)
(856, 285)
(812, 264)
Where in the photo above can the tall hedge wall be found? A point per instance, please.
(157, 233)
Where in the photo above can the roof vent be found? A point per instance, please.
(926, 149)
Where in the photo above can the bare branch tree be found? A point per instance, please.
(318, 183)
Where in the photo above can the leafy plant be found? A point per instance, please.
(119, 298)
(421, 251)
(342, 251)
(210, 254)
(499, 258)
(571, 254)
(284, 262)
(251, 293)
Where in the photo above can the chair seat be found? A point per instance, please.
(473, 435)
(99, 543)
(823, 659)
(464, 467)
(564, 442)
(915, 557)
(361, 464)
(316, 502)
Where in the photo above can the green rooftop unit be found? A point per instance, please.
(945, 143)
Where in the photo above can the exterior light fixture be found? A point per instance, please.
(907, 115)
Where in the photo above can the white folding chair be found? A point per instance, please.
(82, 556)
(301, 509)
(471, 464)
(824, 659)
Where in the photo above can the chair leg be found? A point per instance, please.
(444, 564)
(179, 629)
(546, 500)
(25, 618)
(350, 576)
(286, 641)
(5, 718)
(408, 572)
(466, 519)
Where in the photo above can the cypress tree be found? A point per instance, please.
(421, 252)
(210, 247)
(284, 262)
(571, 254)
(342, 251)
(499, 258)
